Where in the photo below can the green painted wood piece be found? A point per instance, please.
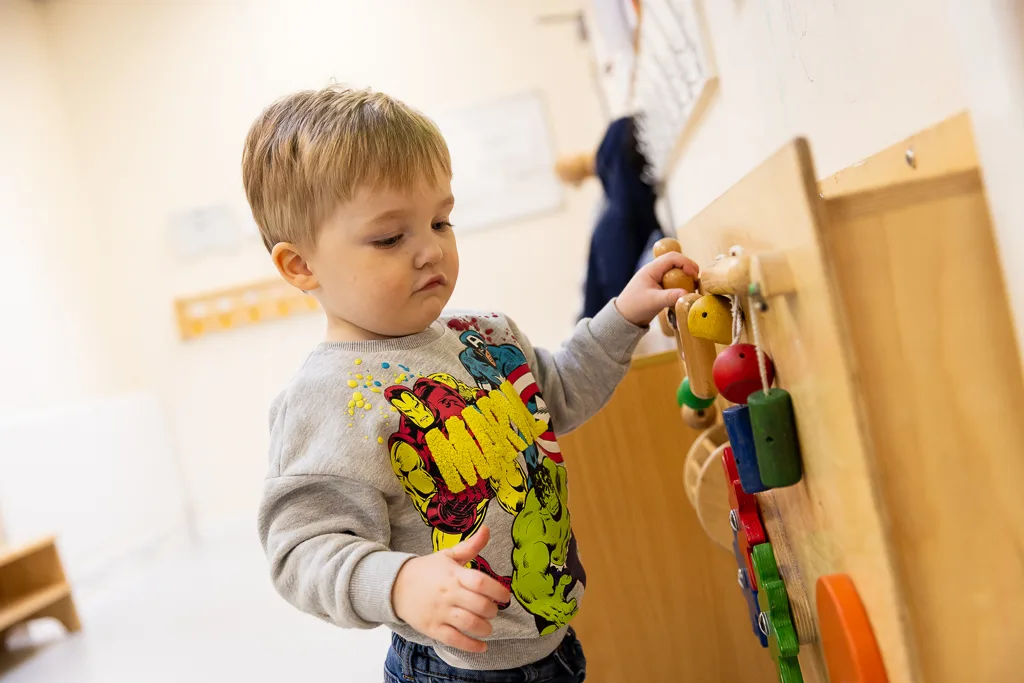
(789, 670)
(775, 437)
(685, 397)
(763, 557)
(774, 602)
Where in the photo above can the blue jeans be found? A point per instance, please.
(411, 663)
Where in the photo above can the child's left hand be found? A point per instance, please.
(643, 298)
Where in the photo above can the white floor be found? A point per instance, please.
(197, 615)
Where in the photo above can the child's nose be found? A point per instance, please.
(429, 254)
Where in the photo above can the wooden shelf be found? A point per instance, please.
(33, 586)
(25, 607)
(12, 555)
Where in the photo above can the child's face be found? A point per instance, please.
(386, 262)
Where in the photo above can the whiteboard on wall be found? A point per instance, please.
(502, 161)
(673, 78)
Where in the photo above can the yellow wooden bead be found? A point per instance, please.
(711, 318)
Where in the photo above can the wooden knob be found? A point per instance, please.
(700, 419)
(698, 354)
(665, 245)
(736, 373)
(678, 279)
(775, 437)
(711, 318)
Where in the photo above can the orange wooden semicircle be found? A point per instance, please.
(851, 651)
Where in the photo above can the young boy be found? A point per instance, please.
(415, 477)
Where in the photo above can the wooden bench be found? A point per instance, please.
(33, 586)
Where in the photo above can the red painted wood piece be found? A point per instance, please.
(750, 530)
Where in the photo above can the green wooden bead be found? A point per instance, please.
(685, 397)
(775, 437)
(789, 670)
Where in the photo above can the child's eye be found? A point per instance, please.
(441, 226)
(388, 242)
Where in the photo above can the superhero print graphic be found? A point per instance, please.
(457, 448)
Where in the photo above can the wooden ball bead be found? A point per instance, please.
(686, 397)
(678, 279)
(700, 419)
(736, 373)
(665, 245)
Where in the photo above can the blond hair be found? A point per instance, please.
(310, 151)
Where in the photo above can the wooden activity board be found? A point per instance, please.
(888, 323)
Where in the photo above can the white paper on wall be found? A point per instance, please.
(502, 161)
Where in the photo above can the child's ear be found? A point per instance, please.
(293, 267)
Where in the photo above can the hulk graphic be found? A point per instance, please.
(545, 564)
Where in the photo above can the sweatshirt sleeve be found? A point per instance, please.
(579, 378)
(326, 538)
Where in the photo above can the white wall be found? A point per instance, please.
(852, 77)
(162, 94)
(99, 474)
(52, 346)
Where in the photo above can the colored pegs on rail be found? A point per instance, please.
(773, 423)
(776, 619)
(736, 373)
(711, 318)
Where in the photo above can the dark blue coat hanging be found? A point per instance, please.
(627, 221)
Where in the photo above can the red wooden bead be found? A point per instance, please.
(735, 372)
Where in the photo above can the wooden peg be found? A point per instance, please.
(698, 354)
(741, 438)
(700, 419)
(727, 276)
(678, 279)
(770, 270)
(665, 245)
(711, 318)
(775, 437)
(685, 397)
(847, 639)
(736, 372)
(675, 278)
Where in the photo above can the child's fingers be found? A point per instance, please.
(469, 623)
(476, 603)
(673, 259)
(478, 582)
(451, 637)
(669, 297)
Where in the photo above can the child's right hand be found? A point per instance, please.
(445, 600)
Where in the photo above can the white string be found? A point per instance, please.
(737, 319)
(761, 366)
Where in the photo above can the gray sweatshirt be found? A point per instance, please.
(385, 450)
